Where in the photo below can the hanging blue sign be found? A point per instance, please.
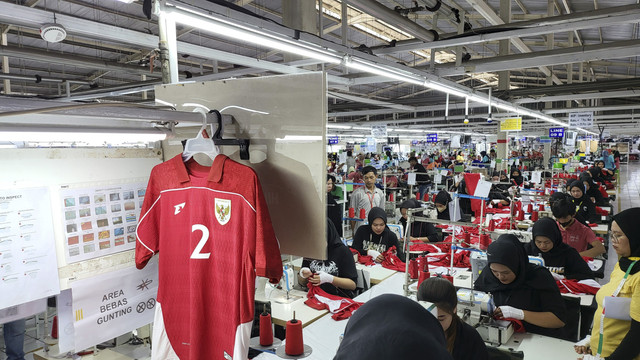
(432, 138)
(333, 140)
(556, 132)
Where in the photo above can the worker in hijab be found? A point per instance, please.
(420, 230)
(442, 205)
(584, 206)
(592, 190)
(337, 275)
(334, 211)
(560, 259)
(621, 331)
(499, 193)
(375, 238)
(391, 326)
(516, 177)
(463, 341)
(521, 290)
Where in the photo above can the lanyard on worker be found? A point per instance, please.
(615, 293)
(371, 196)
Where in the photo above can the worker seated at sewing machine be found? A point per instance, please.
(463, 341)
(420, 230)
(337, 275)
(561, 260)
(522, 291)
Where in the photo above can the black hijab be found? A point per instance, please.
(443, 198)
(392, 327)
(518, 179)
(628, 222)
(509, 251)
(333, 238)
(577, 184)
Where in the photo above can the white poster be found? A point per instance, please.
(482, 189)
(379, 130)
(536, 177)
(581, 119)
(411, 178)
(22, 311)
(100, 221)
(109, 305)
(28, 264)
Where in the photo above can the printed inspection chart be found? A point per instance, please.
(99, 221)
(28, 264)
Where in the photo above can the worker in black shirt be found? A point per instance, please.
(420, 230)
(423, 180)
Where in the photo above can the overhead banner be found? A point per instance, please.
(581, 119)
(28, 263)
(432, 138)
(109, 305)
(379, 130)
(370, 145)
(556, 132)
(511, 124)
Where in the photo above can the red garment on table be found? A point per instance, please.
(603, 191)
(572, 286)
(460, 259)
(601, 211)
(425, 248)
(363, 259)
(391, 260)
(518, 327)
(498, 210)
(472, 182)
(340, 307)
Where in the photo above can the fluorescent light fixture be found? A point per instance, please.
(300, 138)
(334, 126)
(382, 70)
(127, 1)
(96, 136)
(446, 89)
(361, 128)
(260, 38)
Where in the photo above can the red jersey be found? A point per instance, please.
(214, 233)
(578, 236)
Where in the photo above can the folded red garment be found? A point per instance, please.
(593, 225)
(340, 307)
(424, 247)
(601, 211)
(572, 286)
(460, 259)
(363, 259)
(587, 259)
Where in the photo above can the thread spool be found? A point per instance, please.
(418, 196)
(425, 264)
(541, 207)
(294, 345)
(485, 240)
(534, 216)
(425, 197)
(54, 327)
(492, 225)
(423, 276)
(352, 213)
(266, 330)
(363, 213)
(467, 237)
(529, 208)
(392, 197)
(419, 263)
(433, 198)
(520, 215)
(413, 268)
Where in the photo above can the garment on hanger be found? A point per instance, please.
(212, 228)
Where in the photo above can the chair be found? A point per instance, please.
(572, 323)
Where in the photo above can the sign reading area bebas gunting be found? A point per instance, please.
(109, 305)
(511, 124)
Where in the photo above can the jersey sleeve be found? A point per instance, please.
(268, 262)
(147, 232)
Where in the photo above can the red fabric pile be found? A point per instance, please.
(425, 248)
(363, 259)
(572, 286)
(601, 211)
(391, 260)
(340, 307)
(460, 259)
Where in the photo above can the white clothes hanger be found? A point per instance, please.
(200, 144)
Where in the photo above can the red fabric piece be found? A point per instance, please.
(587, 259)
(601, 211)
(499, 210)
(363, 259)
(425, 248)
(460, 259)
(391, 260)
(593, 225)
(472, 182)
(603, 191)
(343, 307)
(572, 286)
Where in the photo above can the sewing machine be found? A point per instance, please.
(287, 282)
(476, 309)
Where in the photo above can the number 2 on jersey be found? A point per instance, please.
(197, 252)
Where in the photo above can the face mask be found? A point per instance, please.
(565, 224)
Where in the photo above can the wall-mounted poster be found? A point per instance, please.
(99, 221)
(28, 264)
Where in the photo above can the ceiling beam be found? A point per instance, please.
(596, 95)
(617, 50)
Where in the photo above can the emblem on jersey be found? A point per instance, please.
(223, 210)
(178, 208)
